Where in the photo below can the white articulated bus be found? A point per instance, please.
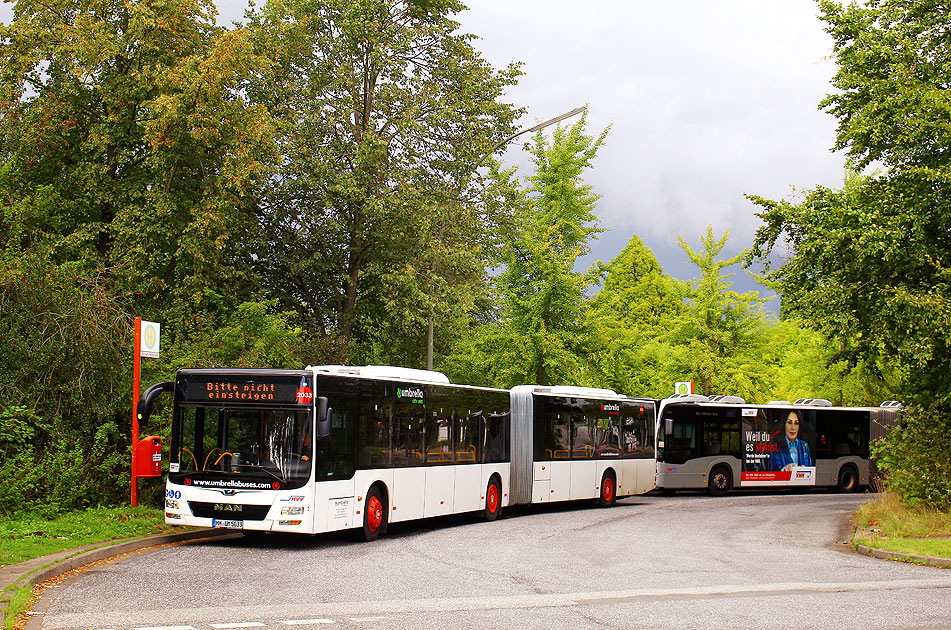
(336, 447)
(721, 442)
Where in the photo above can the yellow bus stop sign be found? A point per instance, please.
(151, 338)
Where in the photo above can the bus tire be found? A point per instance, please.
(493, 499)
(374, 515)
(608, 494)
(721, 481)
(848, 479)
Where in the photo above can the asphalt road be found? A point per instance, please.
(686, 561)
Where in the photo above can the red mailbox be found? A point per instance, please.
(148, 457)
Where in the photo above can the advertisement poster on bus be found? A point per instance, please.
(778, 447)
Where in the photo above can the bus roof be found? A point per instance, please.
(703, 401)
(384, 372)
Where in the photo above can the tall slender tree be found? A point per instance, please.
(722, 329)
(540, 335)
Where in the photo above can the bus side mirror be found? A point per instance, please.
(323, 418)
(147, 400)
(668, 426)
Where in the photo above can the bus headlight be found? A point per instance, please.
(292, 510)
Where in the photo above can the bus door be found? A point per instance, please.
(676, 466)
(335, 460)
(408, 444)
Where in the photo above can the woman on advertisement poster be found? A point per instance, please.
(792, 451)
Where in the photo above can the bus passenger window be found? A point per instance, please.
(438, 444)
(374, 430)
(581, 444)
(495, 447)
(407, 440)
(466, 436)
(607, 438)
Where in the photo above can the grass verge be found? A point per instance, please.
(32, 536)
(21, 602)
(887, 524)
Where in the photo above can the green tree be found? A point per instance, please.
(385, 112)
(64, 357)
(802, 363)
(128, 147)
(722, 329)
(541, 334)
(868, 264)
(628, 319)
(892, 83)
(868, 270)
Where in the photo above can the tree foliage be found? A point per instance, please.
(916, 458)
(629, 318)
(128, 147)
(722, 329)
(385, 112)
(869, 264)
(64, 350)
(262, 190)
(540, 337)
(891, 96)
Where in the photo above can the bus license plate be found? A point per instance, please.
(229, 524)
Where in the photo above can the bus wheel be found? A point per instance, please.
(608, 490)
(493, 500)
(848, 479)
(721, 481)
(374, 515)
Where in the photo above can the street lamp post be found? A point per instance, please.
(498, 145)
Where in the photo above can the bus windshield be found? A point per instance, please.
(259, 444)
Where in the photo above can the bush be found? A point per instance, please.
(66, 475)
(915, 457)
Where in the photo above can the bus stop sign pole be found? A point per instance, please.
(144, 345)
(136, 360)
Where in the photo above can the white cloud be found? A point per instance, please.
(707, 101)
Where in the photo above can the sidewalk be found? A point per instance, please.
(16, 576)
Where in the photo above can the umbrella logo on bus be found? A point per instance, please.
(415, 393)
(305, 396)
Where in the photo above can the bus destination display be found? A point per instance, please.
(237, 389)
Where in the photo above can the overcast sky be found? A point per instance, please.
(707, 100)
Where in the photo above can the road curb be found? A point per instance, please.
(884, 554)
(30, 572)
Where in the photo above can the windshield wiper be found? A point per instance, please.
(260, 467)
